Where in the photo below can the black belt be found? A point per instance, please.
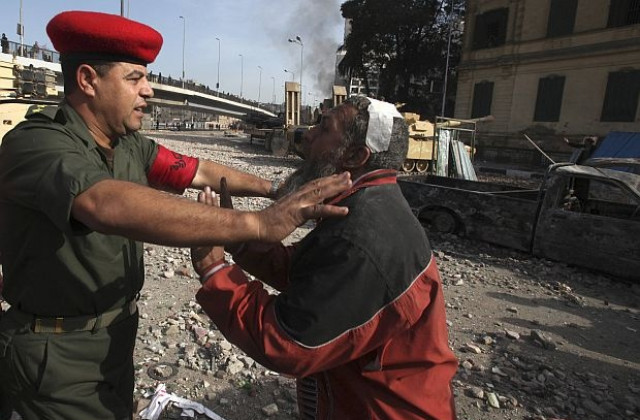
(59, 325)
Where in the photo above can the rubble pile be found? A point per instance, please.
(535, 339)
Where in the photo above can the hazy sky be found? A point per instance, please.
(257, 29)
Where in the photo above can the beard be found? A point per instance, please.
(325, 165)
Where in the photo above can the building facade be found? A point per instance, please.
(554, 69)
(354, 85)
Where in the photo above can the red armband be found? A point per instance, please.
(172, 171)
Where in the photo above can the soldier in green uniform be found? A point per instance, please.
(75, 204)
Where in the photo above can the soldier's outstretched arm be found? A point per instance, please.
(144, 214)
(240, 183)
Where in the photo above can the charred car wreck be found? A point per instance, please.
(586, 215)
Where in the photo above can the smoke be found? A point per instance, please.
(319, 24)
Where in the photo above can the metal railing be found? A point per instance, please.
(198, 87)
(33, 51)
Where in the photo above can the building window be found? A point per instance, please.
(621, 99)
(549, 99)
(562, 17)
(482, 96)
(624, 12)
(491, 29)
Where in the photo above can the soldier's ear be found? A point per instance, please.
(85, 78)
(355, 157)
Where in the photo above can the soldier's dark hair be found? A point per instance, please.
(70, 66)
(356, 133)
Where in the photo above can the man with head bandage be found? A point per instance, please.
(360, 317)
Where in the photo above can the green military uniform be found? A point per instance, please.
(55, 267)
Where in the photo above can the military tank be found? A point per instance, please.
(24, 86)
(444, 148)
(421, 144)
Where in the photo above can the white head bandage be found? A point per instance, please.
(381, 115)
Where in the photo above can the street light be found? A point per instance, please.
(446, 67)
(184, 37)
(259, 84)
(122, 8)
(273, 92)
(293, 75)
(314, 97)
(298, 40)
(21, 32)
(241, 73)
(218, 82)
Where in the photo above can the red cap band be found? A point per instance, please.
(172, 171)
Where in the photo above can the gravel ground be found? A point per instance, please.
(535, 339)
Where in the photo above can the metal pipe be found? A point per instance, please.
(273, 92)
(218, 82)
(538, 148)
(184, 37)
(241, 73)
(22, 52)
(259, 84)
(446, 68)
(298, 40)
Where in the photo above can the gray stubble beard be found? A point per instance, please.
(310, 170)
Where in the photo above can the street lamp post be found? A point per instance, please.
(273, 91)
(218, 82)
(241, 73)
(21, 32)
(184, 37)
(259, 84)
(446, 67)
(298, 40)
(293, 75)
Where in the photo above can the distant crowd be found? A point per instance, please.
(34, 51)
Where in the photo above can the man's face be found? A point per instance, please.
(120, 98)
(323, 148)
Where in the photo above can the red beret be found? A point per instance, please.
(93, 35)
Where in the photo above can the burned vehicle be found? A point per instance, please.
(586, 215)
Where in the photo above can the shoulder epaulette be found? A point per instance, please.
(47, 111)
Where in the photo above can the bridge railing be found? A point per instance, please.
(31, 51)
(197, 87)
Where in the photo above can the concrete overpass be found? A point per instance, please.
(177, 97)
(167, 94)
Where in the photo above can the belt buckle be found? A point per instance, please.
(39, 325)
(58, 325)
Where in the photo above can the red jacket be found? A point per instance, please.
(363, 330)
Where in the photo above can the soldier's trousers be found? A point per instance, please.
(68, 376)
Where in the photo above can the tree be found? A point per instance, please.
(404, 42)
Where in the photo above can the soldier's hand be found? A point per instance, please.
(225, 196)
(226, 203)
(203, 257)
(285, 215)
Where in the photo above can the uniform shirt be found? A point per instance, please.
(53, 265)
